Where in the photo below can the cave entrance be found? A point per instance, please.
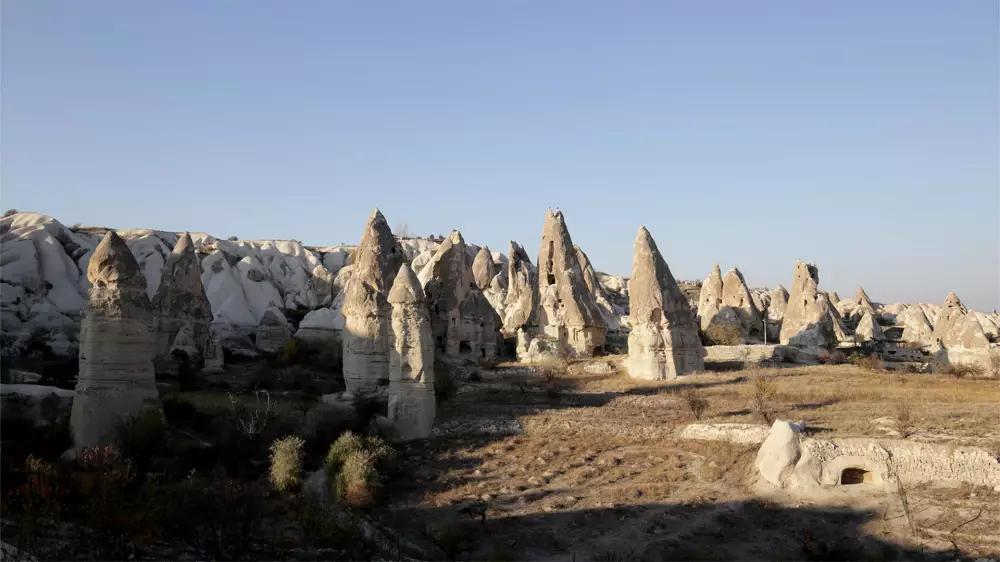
(856, 476)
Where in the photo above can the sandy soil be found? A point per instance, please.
(596, 470)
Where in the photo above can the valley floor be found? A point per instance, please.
(580, 466)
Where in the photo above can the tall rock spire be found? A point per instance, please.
(116, 380)
(183, 315)
(412, 405)
(366, 310)
(663, 342)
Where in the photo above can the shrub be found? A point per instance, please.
(835, 357)
(762, 391)
(294, 351)
(180, 412)
(357, 480)
(252, 419)
(869, 362)
(286, 463)
(695, 403)
(904, 418)
(959, 370)
(352, 466)
(445, 386)
(723, 334)
(141, 437)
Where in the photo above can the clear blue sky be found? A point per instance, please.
(860, 135)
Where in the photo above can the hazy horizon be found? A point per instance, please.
(864, 138)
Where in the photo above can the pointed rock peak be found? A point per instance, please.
(834, 297)
(184, 244)
(952, 300)
(376, 216)
(112, 263)
(406, 288)
(644, 238)
(486, 250)
(456, 237)
(716, 270)
(861, 296)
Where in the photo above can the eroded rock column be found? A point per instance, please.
(116, 380)
(412, 404)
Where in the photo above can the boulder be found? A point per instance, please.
(483, 268)
(779, 452)
(663, 342)
(116, 379)
(916, 327)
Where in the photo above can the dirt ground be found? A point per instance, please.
(581, 466)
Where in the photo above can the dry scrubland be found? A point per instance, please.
(600, 473)
(557, 462)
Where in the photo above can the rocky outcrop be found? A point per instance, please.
(569, 322)
(736, 295)
(181, 307)
(955, 327)
(663, 342)
(411, 406)
(609, 313)
(916, 327)
(116, 379)
(522, 291)
(810, 320)
(483, 268)
(710, 298)
(463, 323)
(273, 331)
(868, 329)
(366, 310)
(323, 328)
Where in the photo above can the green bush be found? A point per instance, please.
(349, 442)
(286, 463)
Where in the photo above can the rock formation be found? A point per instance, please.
(710, 298)
(569, 320)
(916, 327)
(736, 295)
(522, 291)
(607, 310)
(411, 360)
(663, 342)
(116, 379)
(463, 323)
(180, 305)
(862, 303)
(272, 332)
(956, 327)
(810, 320)
(777, 304)
(868, 329)
(483, 268)
(366, 310)
(323, 328)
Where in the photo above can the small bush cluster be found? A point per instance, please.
(960, 370)
(835, 357)
(762, 392)
(723, 334)
(353, 464)
(904, 418)
(869, 362)
(286, 463)
(694, 402)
